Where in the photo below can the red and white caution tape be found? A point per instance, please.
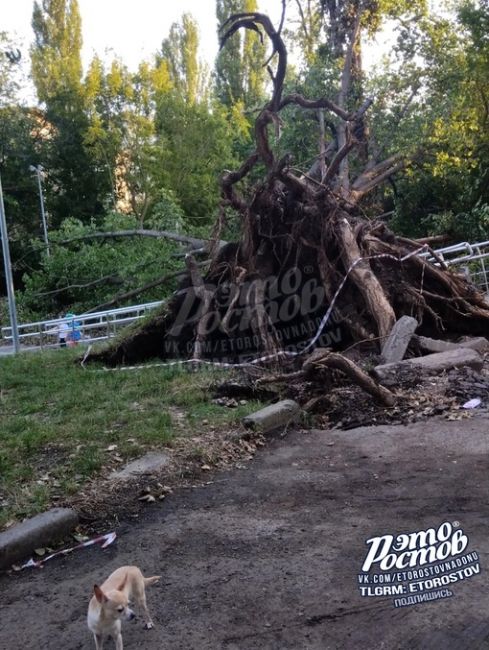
(103, 540)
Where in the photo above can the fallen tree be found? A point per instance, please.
(305, 247)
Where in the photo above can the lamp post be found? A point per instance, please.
(8, 275)
(38, 170)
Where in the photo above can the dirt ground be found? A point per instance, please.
(267, 556)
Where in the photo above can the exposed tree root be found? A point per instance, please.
(301, 237)
(326, 359)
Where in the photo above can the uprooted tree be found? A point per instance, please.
(302, 234)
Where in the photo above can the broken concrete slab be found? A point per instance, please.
(150, 463)
(397, 342)
(18, 542)
(432, 363)
(480, 344)
(273, 416)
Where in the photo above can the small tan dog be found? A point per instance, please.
(110, 603)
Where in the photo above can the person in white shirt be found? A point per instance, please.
(63, 330)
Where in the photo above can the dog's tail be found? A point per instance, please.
(151, 581)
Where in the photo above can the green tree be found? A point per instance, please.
(441, 102)
(122, 134)
(75, 185)
(56, 54)
(18, 150)
(198, 146)
(239, 69)
(179, 51)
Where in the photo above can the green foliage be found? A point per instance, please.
(18, 151)
(433, 104)
(80, 275)
(198, 145)
(471, 226)
(179, 51)
(305, 32)
(56, 55)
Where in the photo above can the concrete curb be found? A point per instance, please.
(273, 416)
(18, 542)
(151, 463)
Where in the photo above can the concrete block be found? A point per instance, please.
(396, 344)
(273, 416)
(150, 463)
(479, 343)
(19, 541)
(433, 363)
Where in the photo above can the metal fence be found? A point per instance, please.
(92, 327)
(471, 258)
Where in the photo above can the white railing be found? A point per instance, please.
(97, 326)
(474, 258)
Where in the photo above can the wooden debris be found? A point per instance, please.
(325, 358)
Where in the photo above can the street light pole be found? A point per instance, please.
(38, 169)
(8, 275)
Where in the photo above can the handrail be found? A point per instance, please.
(95, 326)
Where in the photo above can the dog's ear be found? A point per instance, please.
(123, 584)
(99, 594)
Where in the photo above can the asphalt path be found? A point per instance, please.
(268, 556)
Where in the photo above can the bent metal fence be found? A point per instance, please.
(471, 259)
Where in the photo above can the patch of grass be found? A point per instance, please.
(59, 422)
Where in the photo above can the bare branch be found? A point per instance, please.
(296, 98)
(356, 195)
(251, 21)
(336, 162)
(282, 18)
(108, 279)
(135, 292)
(205, 295)
(372, 171)
(322, 357)
(158, 234)
(322, 144)
(230, 178)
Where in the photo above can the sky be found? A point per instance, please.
(131, 29)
